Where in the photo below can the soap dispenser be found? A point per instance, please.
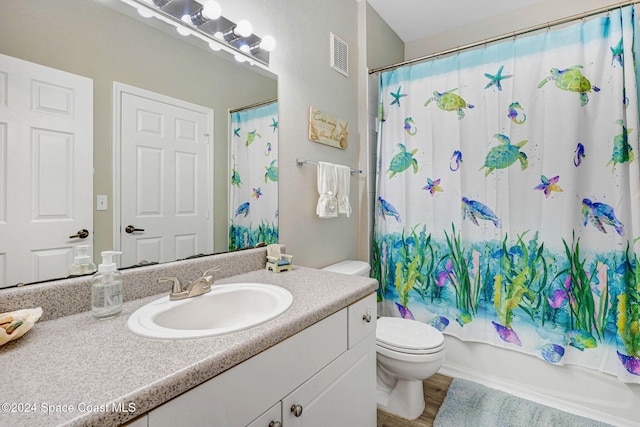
(82, 262)
(106, 289)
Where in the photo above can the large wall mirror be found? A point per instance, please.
(100, 40)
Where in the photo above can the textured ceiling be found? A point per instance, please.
(416, 19)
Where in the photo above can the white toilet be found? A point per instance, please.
(408, 352)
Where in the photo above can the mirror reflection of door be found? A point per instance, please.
(165, 177)
(46, 169)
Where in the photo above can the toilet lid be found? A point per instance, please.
(406, 335)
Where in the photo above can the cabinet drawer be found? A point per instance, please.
(362, 319)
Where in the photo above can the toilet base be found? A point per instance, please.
(405, 398)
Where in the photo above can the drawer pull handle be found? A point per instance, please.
(367, 318)
(296, 410)
(275, 424)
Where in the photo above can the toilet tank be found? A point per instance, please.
(352, 267)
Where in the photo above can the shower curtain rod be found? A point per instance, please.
(507, 36)
(257, 104)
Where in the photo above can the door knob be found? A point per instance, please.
(275, 424)
(81, 234)
(296, 410)
(130, 229)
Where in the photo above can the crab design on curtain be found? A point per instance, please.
(531, 242)
(253, 195)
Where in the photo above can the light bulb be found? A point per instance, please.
(245, 48)
(243, 28)
(214, 46)
(239, 57)
(268, 43)
(144, 12)
(211, 10)
(183, 31)
(219, 35)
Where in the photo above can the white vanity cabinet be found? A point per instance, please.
(323, 375)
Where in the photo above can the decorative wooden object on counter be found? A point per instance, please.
(278, 261)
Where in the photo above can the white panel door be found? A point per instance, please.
(46, 169)
(165, 178)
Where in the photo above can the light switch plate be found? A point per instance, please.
(101, 203)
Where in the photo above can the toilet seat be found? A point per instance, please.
(410, 351)
(408, 336)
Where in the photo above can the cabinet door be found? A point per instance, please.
(362, 319)
(237, 396)
(343, 394)
(271, 418)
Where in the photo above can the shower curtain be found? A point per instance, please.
(253, 166)
(508, 195)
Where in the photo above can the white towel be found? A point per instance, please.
(344, 188)
(327, 188)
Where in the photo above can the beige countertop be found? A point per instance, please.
(76, 370)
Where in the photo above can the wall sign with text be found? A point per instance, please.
(327, 129)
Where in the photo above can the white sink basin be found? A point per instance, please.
(227, 308)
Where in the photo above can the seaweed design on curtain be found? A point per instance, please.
(253, 195)
(508, 195)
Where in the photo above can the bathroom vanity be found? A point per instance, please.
(316, 358)
(308, 379)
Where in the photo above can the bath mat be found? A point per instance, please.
(472, 404)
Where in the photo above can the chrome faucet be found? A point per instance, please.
(200, 286)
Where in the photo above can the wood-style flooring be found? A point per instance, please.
(435, 390)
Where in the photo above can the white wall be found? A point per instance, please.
(541, 13)
(573, 389)
(383, 47)
(301, 60)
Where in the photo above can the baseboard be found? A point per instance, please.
(522, 391)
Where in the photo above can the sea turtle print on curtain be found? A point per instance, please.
(531, 243)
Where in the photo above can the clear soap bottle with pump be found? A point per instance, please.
(106, 288)
(82, 262)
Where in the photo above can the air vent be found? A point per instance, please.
(339, 55)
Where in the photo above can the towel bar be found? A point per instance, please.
(301, 163)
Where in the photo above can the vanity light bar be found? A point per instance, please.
(191, 18)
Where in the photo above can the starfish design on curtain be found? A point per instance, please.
(496, 78)
(396, 96)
